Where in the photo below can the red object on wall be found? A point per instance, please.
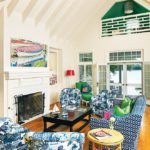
(70, 73)
(73, 72)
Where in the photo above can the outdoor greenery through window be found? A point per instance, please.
(125, 56)
(85, 57)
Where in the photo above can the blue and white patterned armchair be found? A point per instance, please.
(16, 137)
(101, 103)
(70, 96)
(128, 125)
(12, 135)
(55, 141)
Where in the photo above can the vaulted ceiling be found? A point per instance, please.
(60, 17)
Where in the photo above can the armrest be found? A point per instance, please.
(13, 128)
(56, 136)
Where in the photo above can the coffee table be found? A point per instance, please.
(115, 139)
(79, 115)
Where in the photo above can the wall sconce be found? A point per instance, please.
(70, 73)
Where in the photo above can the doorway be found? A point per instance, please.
(125, 78)
(55, 68)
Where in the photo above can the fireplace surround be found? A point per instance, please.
(25, 83)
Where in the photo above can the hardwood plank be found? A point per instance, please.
(143, 143)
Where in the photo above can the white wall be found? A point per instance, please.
(15, 27)
(92, 40)
(1, 62)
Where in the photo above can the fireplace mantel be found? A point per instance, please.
(21, 75)
(24, 83)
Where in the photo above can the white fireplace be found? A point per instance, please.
(24, 83)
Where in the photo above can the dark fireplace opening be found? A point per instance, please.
(29, 106)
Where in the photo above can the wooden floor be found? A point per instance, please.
(144, 138)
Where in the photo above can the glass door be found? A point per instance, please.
(134, 79)
(116, 79)
(85, 73)
(125, 78)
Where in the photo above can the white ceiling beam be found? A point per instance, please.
(66, 21)
(30, 7)
(17, 6)
(11, 6)
(42, 13)
(48, 10)
(79, 19)
(55, 10)
(55, 21)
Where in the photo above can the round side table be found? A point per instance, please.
(116, 139)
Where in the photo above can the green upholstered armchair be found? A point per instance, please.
(86, 96)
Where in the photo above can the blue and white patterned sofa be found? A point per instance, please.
(55, 141)
(128, 125)
(16, 137)
(70, 96)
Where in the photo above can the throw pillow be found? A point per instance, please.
(121, 111)
(125, 102)
(86, 88)
(132, 102)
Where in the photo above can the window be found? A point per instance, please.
(125, 56)
(85, 67)
(85, 57)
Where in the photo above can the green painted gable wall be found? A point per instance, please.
(117, 10)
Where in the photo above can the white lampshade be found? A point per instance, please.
(128, 7)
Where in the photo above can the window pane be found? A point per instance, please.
(118, 90)
(89, 74)
(134, 90)
(134, 74)
(116, 73)
(127, 55)
(81, 72)
(85, 57)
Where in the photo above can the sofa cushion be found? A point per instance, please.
(87, 96)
